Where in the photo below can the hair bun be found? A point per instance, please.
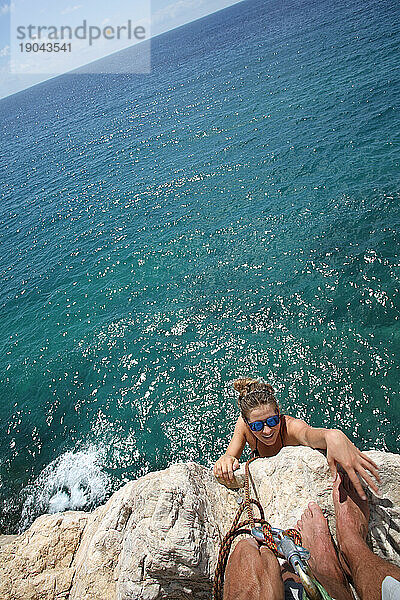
(242, 385)
(264, 394)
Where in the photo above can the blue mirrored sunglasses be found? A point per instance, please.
(259, 425)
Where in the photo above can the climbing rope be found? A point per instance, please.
(266, 527)
(246, 527)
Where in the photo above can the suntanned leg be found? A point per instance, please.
(323, 562)
(252, 573)
(352, 514)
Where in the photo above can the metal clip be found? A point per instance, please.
(257, 533)
(285, 545)
(296, 555)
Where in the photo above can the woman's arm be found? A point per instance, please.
(339, 449)
(229, 462)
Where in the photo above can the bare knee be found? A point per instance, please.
(245, 549)
(252, 574)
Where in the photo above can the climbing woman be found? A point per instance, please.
(261, 425)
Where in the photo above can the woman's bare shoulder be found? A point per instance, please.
(292, 428)
(293, 422)
(243, 429)
(241, 426)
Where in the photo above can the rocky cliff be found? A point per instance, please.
(158, 537)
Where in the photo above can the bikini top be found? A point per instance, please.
(256, 453)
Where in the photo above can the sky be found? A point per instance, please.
(163, 15)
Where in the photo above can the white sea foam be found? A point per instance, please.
(74, 481)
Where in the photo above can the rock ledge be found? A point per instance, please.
(158, 537)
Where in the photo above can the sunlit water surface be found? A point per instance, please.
(235, 212)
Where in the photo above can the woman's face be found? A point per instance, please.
(268, 435)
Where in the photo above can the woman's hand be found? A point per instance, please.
(340, 450)
(224, 467)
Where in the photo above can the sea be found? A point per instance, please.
(233, 213)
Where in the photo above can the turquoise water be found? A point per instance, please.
(235, 212)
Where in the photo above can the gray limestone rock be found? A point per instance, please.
(158, 537)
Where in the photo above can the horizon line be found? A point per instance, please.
(121, 50)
